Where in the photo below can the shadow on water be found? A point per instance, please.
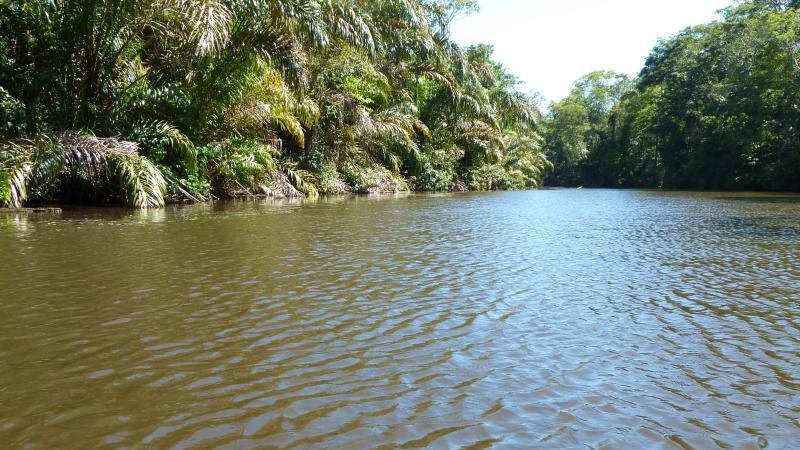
(759, 226)
(230, 207)
(777, 199)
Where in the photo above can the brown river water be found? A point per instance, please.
(553, 319)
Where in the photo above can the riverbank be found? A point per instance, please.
(82, 168)
(56, 207)
(30, 210)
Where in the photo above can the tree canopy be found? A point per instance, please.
(232, 97)
(716, 107)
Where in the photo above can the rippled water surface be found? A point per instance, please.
(551, 319)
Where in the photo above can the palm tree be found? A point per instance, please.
(240, 95)
(41, 167)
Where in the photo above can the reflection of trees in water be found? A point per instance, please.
(17, 221)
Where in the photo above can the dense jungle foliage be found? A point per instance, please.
(715, 107)
(138, 101)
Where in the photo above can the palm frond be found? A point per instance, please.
(141, 183)
(302, 180)
(307, 111)
(13, 181)
(349, 23)
(287, 122)
(207, 22)
(160, 134)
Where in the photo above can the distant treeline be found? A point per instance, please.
(715, 107)
(135, 101)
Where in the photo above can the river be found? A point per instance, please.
(549, 319)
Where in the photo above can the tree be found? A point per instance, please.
(579, 124)
(270, 96)
(715, 107)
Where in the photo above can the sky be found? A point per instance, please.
(549, 44)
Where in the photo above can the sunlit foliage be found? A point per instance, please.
(715, 107)
(243, 97)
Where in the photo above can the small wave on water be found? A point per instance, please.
(552, 319)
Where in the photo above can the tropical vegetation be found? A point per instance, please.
(145, 101)
(716, 107)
